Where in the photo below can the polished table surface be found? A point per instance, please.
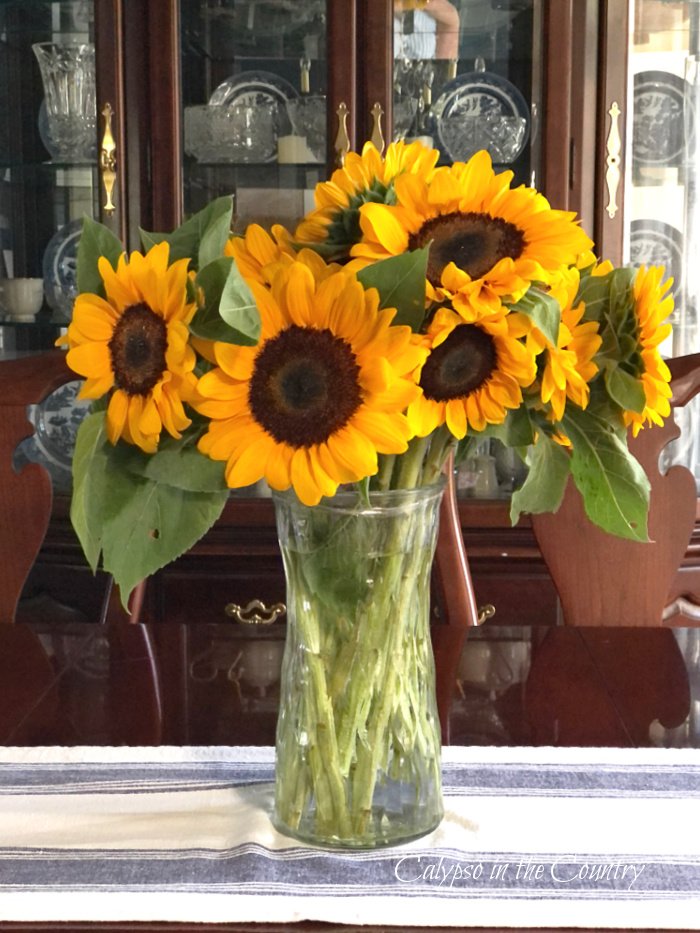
(593, 838)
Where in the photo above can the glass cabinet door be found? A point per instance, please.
(468, 76)
(662, 197)
(255, 104)
(48, 162)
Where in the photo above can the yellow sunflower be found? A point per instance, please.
(258, 254)
(134, 343)
(257, 251)
(568, 367)
(502, 238)
(652, 305)
(323, 392)
(334, 222)
(475, 372)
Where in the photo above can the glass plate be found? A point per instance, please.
(654, 243)
(481, 110)
(248, 84)
(660, 134)
(60, 271)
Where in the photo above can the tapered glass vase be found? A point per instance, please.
(358, 734)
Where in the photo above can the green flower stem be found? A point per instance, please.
(441, 445)
(410, 464)
(320, 728)
(367, 676)
(382, 480)
(392, 678)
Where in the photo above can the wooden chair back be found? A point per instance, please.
(612, 673)
(603, 580)
(26, 497)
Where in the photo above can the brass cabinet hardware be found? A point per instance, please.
(377, 136)
(485, 612)
(613, 160)
(304, 82)
(256, 612)
(108, 160)
(342, 140)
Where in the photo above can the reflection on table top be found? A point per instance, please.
(72, 684)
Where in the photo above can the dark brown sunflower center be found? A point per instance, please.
(474, 242)
(305, 386)
(459, 365)
(138, 347)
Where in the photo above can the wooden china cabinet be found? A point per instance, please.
(260, 99)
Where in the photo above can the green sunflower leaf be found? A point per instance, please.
(605, 408)
(594, 291)
(624, 389)
(543, 311)
(549, 465)
(516, 431)
(139, 523)
(202, 238)
(621, 289)
(229, 313)
(400, 282)
(148, 524)
(614, 487)
(238, 308)
(96, 240)
(91, 484)
(176, 463)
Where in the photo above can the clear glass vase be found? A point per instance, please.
(358, 735)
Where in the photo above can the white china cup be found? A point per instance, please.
(22, 298)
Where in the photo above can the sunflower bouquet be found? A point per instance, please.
(415, 309)
(413, 312)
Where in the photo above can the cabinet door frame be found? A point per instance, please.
(111, 89)
(608, 232)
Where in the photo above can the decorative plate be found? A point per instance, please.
(60, 270)
(255, 87)
(659, 125)
(248, 84)
(481, 110)
(56, 421)
(653, 243)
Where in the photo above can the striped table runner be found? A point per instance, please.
(531, 837)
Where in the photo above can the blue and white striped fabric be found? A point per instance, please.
(531, 837)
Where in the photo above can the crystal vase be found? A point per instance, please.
(358, 735)
(68, 75)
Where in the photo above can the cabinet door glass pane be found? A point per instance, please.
(661, 223)
(467, 76)
(48, 163)
(254, 105)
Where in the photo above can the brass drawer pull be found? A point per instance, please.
(485, 612)
(255, 613)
